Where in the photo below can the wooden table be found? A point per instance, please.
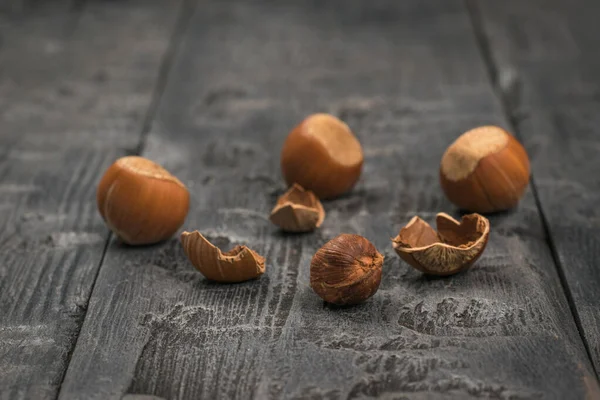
(209, 89)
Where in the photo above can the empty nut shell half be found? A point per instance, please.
(298, 210)
(453, 248)
(236, 265)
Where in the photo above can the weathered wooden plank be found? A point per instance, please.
(408, 79)
(19, 9)
(13, 6)
(543, 50)
(74, 90)
(550, 49)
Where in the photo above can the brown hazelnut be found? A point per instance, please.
(236, 265)
(321, 154)
(298, 210)
(140, 201)
(346, 270)
(453, 248)
(485, 170)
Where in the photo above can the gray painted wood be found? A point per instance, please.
(550, 51)
(17, 9)
(74, 90)
(13, 7)
(408, 78)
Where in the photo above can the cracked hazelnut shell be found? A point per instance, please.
(346, 270)
(298, 210)
(452, 249)
(485, 170)
(236, 265)
(322, 154)
(140, 201)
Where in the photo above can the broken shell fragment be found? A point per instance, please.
(453, 248)
(298, 210)
(236, 265)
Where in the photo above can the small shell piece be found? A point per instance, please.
(237, 265)
(298, 210)
(453, 248)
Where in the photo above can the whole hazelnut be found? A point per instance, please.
(140, 201)
(485, 170)
(346, 270)
(322, 155)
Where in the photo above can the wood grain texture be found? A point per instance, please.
(408, 79)
(15, 7)
(550, 52)
(74, 90)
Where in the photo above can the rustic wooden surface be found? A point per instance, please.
(75, 87)
(548, 68)
(210, 90)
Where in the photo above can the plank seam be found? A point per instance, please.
(183, 22)
(77, 7)
(181, 25)
(513, 119)
(87, 302)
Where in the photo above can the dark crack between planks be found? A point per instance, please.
(509, 105)
(182, 23)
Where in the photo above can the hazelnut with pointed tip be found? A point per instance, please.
(322, 155)
(485, 170)
(236, 265)
(453, 248)
(346, 270)
(140, 201)
(298, 210)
